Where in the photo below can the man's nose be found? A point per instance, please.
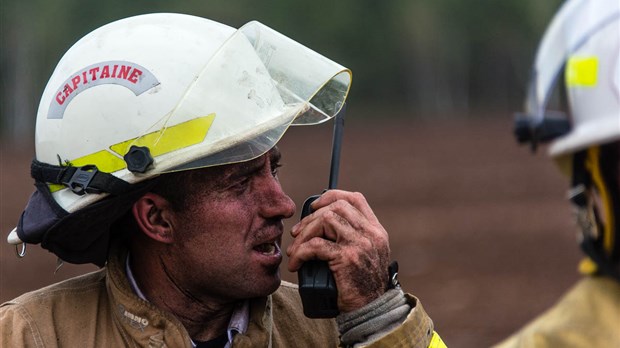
(275, 202)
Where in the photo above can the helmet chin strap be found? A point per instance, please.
(595, 171)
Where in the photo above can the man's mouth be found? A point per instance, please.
(269, 249)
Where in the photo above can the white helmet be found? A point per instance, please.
(582, 44)
(158, 93)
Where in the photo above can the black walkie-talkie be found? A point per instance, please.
(317, 286)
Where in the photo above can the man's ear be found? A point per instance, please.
(153, 215)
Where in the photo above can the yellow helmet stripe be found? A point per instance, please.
(104, 160)
(160, 142)
(169, 139)
(581, 72)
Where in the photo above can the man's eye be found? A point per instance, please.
(274, 169)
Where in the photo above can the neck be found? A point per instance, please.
(203, 317)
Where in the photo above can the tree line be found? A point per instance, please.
(418, 58)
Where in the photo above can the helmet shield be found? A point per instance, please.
(254, 87)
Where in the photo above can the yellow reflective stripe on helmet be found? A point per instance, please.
(160, 142)
(436, 341)
(55, 187)
(169, 139)
(104, 160)
(581, 72)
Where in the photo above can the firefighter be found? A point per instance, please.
(582, 47)
(156, 159)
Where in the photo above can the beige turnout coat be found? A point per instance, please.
(100, 310)
(587, 316)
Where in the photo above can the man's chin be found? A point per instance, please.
(275, 283)
(264, 288)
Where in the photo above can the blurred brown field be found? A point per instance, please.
(479, 226)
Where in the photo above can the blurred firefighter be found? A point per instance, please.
(156, 159)
(582, 46)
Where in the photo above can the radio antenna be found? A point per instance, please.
(336, 146)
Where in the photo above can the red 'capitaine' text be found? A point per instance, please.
(107, 71)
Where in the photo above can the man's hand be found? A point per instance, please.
(344, 231)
